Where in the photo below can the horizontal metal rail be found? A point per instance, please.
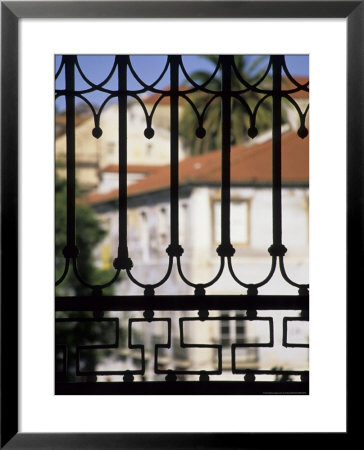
(220, 88)
(184, 387)
(182, 303)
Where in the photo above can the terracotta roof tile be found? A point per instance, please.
(249, 166)
(96, 197)
(287, 84)
(132, 168)
(152, 98)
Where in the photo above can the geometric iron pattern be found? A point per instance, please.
(250, 308)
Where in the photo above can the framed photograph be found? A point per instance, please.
(162, 203)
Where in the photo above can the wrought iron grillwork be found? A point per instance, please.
(197, 307)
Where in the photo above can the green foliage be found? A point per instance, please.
(89, 233)
(240, 119)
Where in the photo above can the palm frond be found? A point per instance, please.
(240, 118)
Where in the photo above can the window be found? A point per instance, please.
(183, 222)
(111, 148)
(144, 236)
(232, 331)
(163, 226)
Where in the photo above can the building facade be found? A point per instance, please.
(199, 235)
(95, 154)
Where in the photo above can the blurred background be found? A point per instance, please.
(148, 217)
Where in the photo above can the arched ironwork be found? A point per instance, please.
(200, 301)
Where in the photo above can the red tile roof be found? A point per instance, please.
(152, 98)
(95, 197)
(250, 166)
(132, 168)
(287, 84)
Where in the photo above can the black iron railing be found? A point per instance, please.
(150, 306)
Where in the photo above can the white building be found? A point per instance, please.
(199, 234)
(93, 155)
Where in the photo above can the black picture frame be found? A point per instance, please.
(11, 12)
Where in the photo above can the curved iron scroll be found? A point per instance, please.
(226, 86)
(225, 94)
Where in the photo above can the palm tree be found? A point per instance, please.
(240, 118)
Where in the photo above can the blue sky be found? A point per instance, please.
(149, 67)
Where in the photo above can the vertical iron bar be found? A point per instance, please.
(276, 152)
(225, 151)
(174, 131)
(122, 132)
(122, 261)
(70, 250)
